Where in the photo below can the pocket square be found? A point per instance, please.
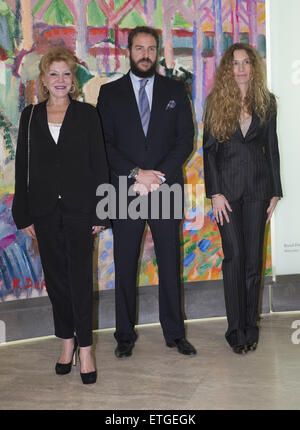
(171, 105)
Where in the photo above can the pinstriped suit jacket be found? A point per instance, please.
(245, 167)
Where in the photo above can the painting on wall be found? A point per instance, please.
(194, 34)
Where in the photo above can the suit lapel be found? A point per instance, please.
(156, 101)
(42, 119)
(253, 126)
(131, 103)
(65, 124)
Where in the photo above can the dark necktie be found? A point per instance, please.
(144, 105)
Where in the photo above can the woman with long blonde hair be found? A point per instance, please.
(242, 178)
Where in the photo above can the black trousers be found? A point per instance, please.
(127, 243)
(66, 248)
(242, 242)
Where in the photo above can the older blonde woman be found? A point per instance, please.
(60, 161)
(242, 177)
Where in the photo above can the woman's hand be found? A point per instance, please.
(97, 228)
(29, 231)
(219, 206)
(272, 206)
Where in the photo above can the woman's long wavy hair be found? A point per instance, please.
(224, 103)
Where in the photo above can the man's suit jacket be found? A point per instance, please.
(170, 136)
(243, 166)
(72, 168)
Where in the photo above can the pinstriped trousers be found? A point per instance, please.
(242, 243)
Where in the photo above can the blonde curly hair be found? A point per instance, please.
(224, 103)
(58, 53)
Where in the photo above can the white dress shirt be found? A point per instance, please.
(149, 91)
(136, 87)
(55, 130)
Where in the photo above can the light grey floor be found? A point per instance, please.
(157, 377)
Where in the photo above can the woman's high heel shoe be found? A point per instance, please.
(239, 349)
(88, 378)
(252, 346)
(65, 368)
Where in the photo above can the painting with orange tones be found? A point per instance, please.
(193, 33)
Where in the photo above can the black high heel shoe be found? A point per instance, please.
(240, 349)
(64, 369)
(90, 377)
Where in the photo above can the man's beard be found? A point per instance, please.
(141, 73)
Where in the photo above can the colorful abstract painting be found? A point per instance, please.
(194, 34)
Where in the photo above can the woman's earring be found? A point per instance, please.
(45, 90)
(72, 89)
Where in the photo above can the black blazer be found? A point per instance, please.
(247, 167)
(72, 168)
(170, 135)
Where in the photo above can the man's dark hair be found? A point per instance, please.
(142, 29)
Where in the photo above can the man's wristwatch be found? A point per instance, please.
(134, 172)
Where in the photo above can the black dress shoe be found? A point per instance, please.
(240, 349)
(251, 346)
(89, 377)
(183, 346)
(65, 368)
(124, 349)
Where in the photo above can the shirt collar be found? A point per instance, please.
(137, 79)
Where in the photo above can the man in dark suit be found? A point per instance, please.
(149, 132)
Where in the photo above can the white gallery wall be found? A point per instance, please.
(283, 65)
